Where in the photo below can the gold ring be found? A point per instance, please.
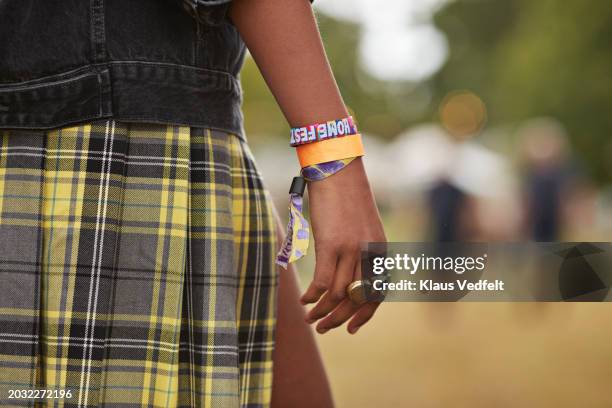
(356, 292)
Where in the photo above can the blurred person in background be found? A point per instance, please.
(447, 204)
(549, 173)
(555, 190)
(462, 115)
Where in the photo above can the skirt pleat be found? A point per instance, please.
(136, 268)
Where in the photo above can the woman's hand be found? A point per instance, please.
(343, 214)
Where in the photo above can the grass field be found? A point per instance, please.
(474, 355)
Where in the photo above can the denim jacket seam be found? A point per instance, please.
(65, 77)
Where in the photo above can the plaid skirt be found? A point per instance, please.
(136, 268)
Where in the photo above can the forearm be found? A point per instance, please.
(284, 41)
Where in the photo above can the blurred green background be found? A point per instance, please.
(484, 120)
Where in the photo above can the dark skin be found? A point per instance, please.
(283, 38)
(299, 379)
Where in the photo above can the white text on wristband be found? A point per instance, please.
(321, 131)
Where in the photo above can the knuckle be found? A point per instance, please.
(325, 246)
(337, 295)
(320, 285)
(324, 261)
(349, 247)
(331, 246)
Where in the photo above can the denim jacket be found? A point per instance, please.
(69, 61)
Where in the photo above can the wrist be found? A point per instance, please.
(352, 177)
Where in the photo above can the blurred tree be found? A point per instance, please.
(536, 58)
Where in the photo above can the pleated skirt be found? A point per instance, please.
(136, 268)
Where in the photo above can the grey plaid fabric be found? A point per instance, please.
(136, 268)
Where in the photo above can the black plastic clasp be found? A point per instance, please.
(298, 186)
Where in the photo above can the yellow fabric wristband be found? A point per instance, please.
(330, 149)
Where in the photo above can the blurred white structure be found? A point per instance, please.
(399, 40)
(426, 154)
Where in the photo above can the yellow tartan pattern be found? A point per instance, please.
(136, 267)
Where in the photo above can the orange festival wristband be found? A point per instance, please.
(330, 149)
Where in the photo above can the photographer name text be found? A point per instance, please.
(429, 285)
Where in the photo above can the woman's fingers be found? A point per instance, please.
(349, 269)
(362, 316)
(323, 277)
(336, 292)
(341, 314)
(347, 309)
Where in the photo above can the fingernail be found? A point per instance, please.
(322, 330)
(353, 330)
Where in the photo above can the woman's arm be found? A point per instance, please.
(284, 40)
